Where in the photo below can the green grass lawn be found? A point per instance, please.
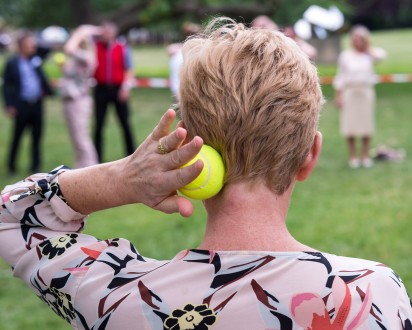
(360, 213)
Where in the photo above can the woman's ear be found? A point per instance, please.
(312, 158)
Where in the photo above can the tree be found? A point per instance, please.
(382, 14)
(153, 12)
(172, 13)
(135, 13)
(82, 11)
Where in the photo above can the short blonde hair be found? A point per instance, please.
(361, 31)
(255, 97)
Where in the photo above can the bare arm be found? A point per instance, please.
(144, 177)
(339, 81)
(338, 99)
(378, 54)
(128, 82)
(127, 85)
(82, 33)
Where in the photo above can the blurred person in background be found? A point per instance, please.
(5, 39)
(78, 68)
(24, 88)
(355, 94)
(264, 22)
(176, 59)
(307, 48)
(248, 272)
(114, 78)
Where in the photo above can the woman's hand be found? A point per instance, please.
(151, 175)
(11, 112)
(123, 95)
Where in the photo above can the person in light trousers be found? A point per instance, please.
(78, 69)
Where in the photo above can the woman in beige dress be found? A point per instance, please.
(75, 91)
(355, 94)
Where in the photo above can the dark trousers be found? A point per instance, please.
(104, 95)
(28, 115)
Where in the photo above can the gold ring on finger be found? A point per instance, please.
(161, 148)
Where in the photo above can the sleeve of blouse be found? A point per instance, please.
(40, 238)
(339, 81)
(405, 308)
(378, 54)
(32, 210)
(36, 229)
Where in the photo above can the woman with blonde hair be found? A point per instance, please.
(255, 97)
(355, 94)
(75, 86)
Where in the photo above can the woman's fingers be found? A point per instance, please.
(181, 124)
(182, 155)
(175, 204)
(157, 167)
(177, 178)
(172, 141)
(163, 127)
(185, 206)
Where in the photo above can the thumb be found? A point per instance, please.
(174, 204)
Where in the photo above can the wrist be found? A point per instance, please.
(128, 85)
(119, 181)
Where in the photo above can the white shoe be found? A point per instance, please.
(354, 163)
(367, 163)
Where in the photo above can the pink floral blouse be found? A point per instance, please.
(96, 284)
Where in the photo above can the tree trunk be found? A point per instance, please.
(126, 17)
(82, 11)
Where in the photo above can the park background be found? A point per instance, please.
(363, 213)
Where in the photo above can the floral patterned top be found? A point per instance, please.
(95, 284)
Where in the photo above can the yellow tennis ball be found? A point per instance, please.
(210, 181)
(59, 58)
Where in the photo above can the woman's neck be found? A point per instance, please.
(252, 218)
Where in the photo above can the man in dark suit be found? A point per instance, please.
(24, 87)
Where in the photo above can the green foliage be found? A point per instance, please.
(158, 10)
(382, 14)
(10, 10)
(289, 11)
(40, 13)
(106, 6)
(37, 13)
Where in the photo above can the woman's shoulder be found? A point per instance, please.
(367, 271)
(357, 263)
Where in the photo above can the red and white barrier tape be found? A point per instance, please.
(152, 82)
(326, 80)
(379, 79)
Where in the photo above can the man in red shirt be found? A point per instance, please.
(114, 77)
